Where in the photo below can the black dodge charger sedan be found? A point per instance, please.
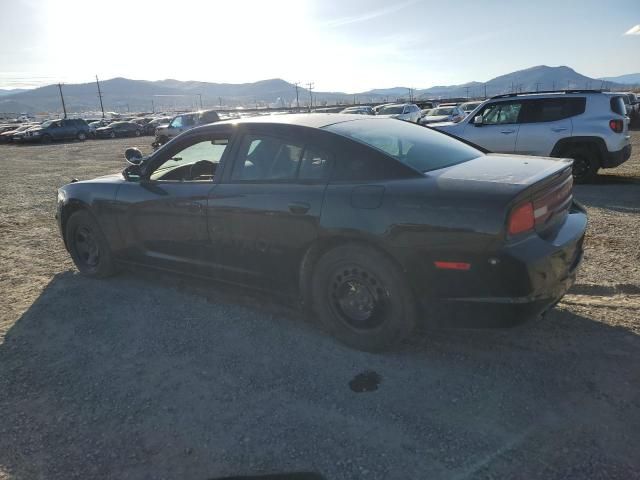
(376, 224)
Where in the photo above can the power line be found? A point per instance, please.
(64, 108)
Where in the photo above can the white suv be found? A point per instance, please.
(586, 125)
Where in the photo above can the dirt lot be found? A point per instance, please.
(147, 376)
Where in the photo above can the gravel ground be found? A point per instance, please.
(148, 376)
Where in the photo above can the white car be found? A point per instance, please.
(469, 107)
(442, 114)
(401, 111)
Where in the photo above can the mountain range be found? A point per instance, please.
(628, 79)
(122, 94)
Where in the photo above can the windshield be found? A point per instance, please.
(47, 123)
(419, 147)
(469, 106)
(391, 110)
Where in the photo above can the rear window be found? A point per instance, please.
(418, 147)
(617, 105)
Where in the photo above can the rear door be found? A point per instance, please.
(499, 129)
(545, 121)
(266, 211)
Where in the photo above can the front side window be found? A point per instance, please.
(188, 121)
(176, 122)
(421, 148)
(501, 113)
(196, 162)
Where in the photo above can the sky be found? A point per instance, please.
(339, 45)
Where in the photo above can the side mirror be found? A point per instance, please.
(478, 120)
(133, 156)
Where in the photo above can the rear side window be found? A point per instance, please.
(552, 109)
(418, 147)
(617, 105)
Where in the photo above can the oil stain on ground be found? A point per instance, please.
(367, 381)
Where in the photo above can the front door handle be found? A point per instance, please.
(506, 132)
(189, 205)
(299, 208)
(558, 129)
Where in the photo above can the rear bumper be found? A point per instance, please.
(514, 284)
(613, 159)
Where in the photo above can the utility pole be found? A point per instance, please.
(128, 111)
(220, 101)
(568, 84)
(512, 87)
(485, 91)
(466, 92)
(100, 96)
(537, 86)
(64, 108)
(310, 86)
(153, 108)
(554, 86)
(200, 95)
(297, 99)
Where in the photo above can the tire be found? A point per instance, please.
(137, 134)
(46, 139)
(82, 136)
(162, 140)
(362, 298)
(112, 135)
(585, 164)
(88, 246)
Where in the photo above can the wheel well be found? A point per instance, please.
(322, 246)
(594, 144)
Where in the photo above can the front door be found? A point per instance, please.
(165, 221)
(266, 211)
(499, 128)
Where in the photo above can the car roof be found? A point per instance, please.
(313, 120)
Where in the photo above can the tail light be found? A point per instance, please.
(616, 125)
(521, 219)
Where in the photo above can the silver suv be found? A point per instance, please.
(588, 126)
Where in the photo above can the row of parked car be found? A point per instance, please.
(78, 128)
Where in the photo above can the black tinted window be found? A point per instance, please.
(314, 165)
(617, 106)
(552, 109)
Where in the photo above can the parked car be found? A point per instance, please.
(150, 128)
(469, 107)
(442, 114)
(377, 108)
(182, 123)
(366, 219)
(53, 130)
(633, 106)
(119, 129)
(427, 105)
(7, 136)
(402, 111)
(588, 126)
(360, 110)
(93, 126)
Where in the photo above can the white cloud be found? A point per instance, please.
(633, 30)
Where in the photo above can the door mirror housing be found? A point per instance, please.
(478, 120)
(133, 156)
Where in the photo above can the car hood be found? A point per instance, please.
(435, 118)
(103, 129)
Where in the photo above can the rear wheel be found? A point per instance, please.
(362, 298)
(112, 134)
(88, 247)
(585, 164)
(81, 136)
(137, 133)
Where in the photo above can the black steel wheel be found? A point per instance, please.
(362, 297)
(585, 164)
(87, 245)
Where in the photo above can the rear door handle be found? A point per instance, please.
(299, 208)
(506, 132)
(558, 129)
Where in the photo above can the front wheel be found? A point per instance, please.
(81, 136)
(88, 247)
(112, 134)
(137, 133)
(362, 298)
